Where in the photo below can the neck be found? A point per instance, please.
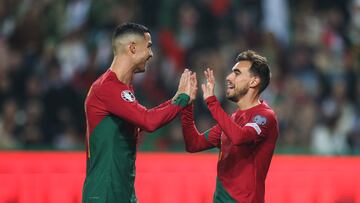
(248, 101)
(123, 69)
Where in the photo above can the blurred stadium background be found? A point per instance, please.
(52, 50)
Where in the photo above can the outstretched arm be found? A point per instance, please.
(117, 100)
(250, 132)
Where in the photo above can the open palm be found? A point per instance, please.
(208, 88)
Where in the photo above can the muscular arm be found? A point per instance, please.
(195, 141)
(133, 112)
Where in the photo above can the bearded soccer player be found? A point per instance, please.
(246, 139)
(114, 118)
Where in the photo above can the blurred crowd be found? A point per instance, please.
(52, 50)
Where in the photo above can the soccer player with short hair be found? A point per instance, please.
(114, 118)
(246, 139)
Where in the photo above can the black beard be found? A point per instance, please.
(235, 98)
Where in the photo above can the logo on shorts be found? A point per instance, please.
(260, 120)
(127, 96)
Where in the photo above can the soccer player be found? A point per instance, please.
(114, 118)
(246, 139)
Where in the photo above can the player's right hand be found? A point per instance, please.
(193, 86)
(184, 84)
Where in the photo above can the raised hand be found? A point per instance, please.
(193, 85)
(184, 84)
(208, 88)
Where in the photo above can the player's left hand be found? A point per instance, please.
(193, 84)
(208, 88)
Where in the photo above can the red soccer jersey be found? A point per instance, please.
(113, 118)
(246, 140)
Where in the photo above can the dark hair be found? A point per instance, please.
(132, 28)
(129, 28)
(259, 67)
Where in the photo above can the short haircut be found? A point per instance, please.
(259, 67)
(128, 28)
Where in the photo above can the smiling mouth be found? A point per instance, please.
(230, 86)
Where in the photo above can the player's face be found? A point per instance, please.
(238, 81)
(144, 53)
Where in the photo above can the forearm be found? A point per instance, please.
(194, 141)
(163, 114)
(164, 104)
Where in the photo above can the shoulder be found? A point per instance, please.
(266, 109)
(107, 84)
(264, 116)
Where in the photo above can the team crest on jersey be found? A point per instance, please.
(260, 120)
(127, 96)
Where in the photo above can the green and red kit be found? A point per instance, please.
(114, 119)
(246, 140)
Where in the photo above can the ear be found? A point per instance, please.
(255, 81)
(132, 47)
